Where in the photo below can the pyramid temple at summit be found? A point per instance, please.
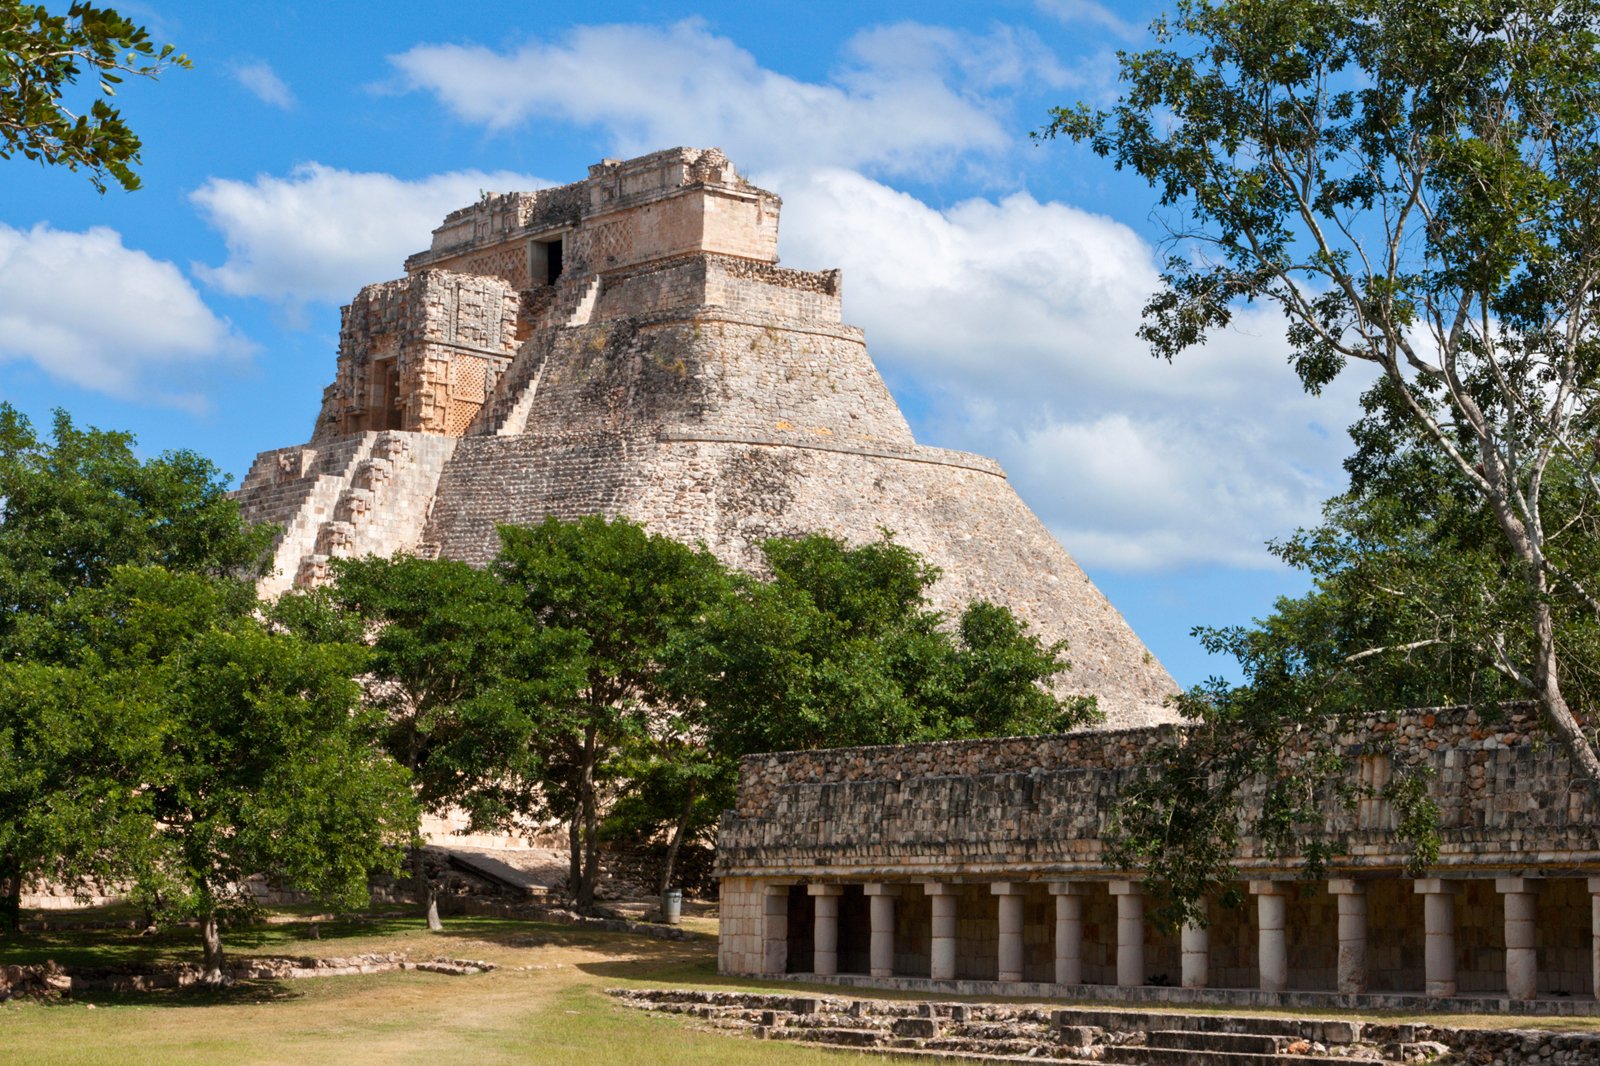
(629, 345)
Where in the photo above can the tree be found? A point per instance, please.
(455, 665)
(42, 56)
(840, 648)
(73, 508)
(247, 752)
(621, 601)
(1413, 186)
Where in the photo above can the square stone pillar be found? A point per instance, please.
(1196, 955)
(880, 898)
(942, 943)
(1272, 943)
(1352, 966)
(825, 928)
(774, 928)
(1522, 962)
(1010, 948)
(1069, 931)
(1594, 932)
(1130, 932)
(1439, 922)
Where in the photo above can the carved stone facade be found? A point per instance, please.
(979, 866)
(629, 345)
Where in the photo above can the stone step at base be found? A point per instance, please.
(906, 1048)
(1192, 1040)
(1144, 1055)
(1328, 1031)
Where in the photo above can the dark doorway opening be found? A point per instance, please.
(801, 943)
(390, 414)
(545, 261)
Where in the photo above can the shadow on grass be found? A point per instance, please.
(527, 933)
(240, 993)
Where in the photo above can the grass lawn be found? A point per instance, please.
(545, 1004)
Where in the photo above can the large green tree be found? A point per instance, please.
(42, 58)
(456, 668)
(236, 748)
(621, 601)
(74, 506)
(840, 646)
(1414, 186)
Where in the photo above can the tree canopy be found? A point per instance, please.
(42, 57)
(610, 677)
(1414, 186)
(155, 730)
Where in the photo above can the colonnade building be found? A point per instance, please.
(978, 867)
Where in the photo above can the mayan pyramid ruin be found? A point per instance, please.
(628, 345)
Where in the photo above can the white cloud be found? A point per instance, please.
(321, 233)
(911, 98)
(1016, 318)
(90, 311)
(264, 84)
(1088, 12)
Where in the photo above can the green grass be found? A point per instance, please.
(545, 1004)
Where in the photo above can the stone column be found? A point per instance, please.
(1130, 933)
(774, 928)
(825, 928)
(942, 944)
(1352, 896)
(1069, 932)
(1010, 949)
(1196, 955)
(1439, 919)
(1522, 964)
(1594, 932)
(880, 898)
(1272, 945)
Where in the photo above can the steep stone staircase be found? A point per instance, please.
(327, 500)
(994, 1033)
(507, 411)
(297, 488)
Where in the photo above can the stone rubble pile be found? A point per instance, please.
(50, 979)
(1029, 1034)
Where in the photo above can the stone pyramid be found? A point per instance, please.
(628, 345)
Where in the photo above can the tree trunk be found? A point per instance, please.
(679, 831)
(10, 895)
(1546, 662)
(1559, 714)
(211, 966)
(591, 825)
(426, 890)
(574, 856)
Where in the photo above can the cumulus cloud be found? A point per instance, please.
(908, 99)
(321, 233)
(88, 310)
(263, 83)
(1016, 319)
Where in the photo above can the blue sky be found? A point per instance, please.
(314, 145)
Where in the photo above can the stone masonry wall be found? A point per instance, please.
(737, 286)
(442, 339)
(929, 809)
(734, 496)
